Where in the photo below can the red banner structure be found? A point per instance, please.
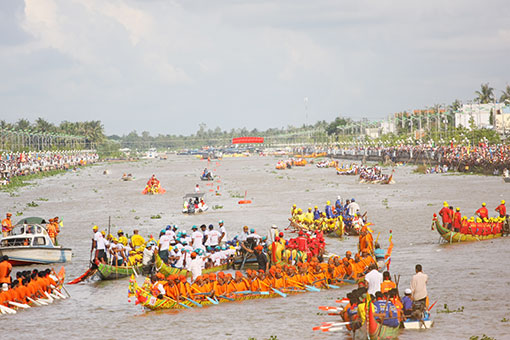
(247, 140)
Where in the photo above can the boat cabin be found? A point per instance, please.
(27, 235)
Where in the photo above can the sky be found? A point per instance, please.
(166, 66)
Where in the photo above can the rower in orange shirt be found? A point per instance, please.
(367, 259)
(387, 284)
(239, 283)
(358, 267)
(172, 291)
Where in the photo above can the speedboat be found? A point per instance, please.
(29, 243)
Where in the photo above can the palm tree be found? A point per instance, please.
(485, 95)
(505, 95)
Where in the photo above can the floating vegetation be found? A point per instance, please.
(216, 207)
(484, 337)
(155, 217)
(19, 213)
(504, 320)
(446, 309)
(43, 199)
(137, 217)
(32, 204)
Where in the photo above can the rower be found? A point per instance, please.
(387, 284)
(457, 218)
(122, 239)
(98, 243)
(5, 270)
(501, 209)
(446, 215)
(157, 288)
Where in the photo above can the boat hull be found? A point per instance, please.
(415, 324)
(109, 272)
(22, 256)
(453, 236)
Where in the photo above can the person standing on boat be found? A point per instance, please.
(353, 207)
(261, 258)
(7, 225)
(419, 285)
(98, 243)
(501, 209)
(213, 237)
(446, 215)
(457, 218)
(483, 212)
(195, 266)
(328, 210)
(374, 279)
(164, 245)
(223, 237)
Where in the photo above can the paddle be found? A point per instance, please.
(7, 310)
(193, 302)
(180, 303)
(282, 294)
(37, 303)
(326, 325)
(226, 298)
(214, 302)
(19, 305)
(428, 310)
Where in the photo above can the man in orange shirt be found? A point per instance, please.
(7, 225)
(5, 270)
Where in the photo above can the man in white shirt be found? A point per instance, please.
(419, 285)
(374, 280)
(196, 238)
(353, 207)
(213, 237)
(223, 231)
(147, 258)
(99, 245)
(164, 245)
(195, 266)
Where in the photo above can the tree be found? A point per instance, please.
(332, 128)
(485, 95)
(22, 124)
(42, 125)
(455, 105)
(505, 95)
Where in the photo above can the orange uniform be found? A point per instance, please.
(5, 272)
(387, 285)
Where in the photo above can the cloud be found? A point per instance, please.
(166, 66)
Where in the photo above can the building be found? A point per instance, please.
(502, 120)
(478, 114)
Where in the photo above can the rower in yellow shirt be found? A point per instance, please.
(137, 240)
(308, 219)
(122, 238)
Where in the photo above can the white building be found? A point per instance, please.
(502, 120)
(479, 113)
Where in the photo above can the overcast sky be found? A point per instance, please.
(166, 66)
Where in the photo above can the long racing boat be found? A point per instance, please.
(452, 236)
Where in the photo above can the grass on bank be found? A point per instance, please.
(23, 181)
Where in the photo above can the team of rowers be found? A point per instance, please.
(153, 186)
(28, 287)
(381, 294)
(373, 174)
(480, 224)
(332, 217)
(288, 164)
(281, 276)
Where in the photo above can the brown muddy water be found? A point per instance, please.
(475, 276)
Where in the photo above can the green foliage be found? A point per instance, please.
(216, 207)
(447, 310)
(155, 217)
(21, 181)
(32, 204)
(484, 337)
(332, 128)
(485, 95)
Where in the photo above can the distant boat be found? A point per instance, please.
(29, 243)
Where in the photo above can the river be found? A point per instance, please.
(475, 276)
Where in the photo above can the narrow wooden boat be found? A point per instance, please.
(168, 270)
(372, 330)
(453, 236)
(110, 272)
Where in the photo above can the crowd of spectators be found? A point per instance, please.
(27, 163)
(484, 158)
